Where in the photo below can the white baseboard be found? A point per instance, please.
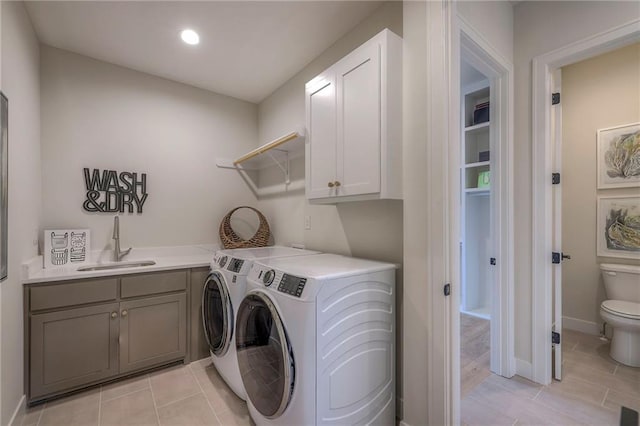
(19, 411)
(524, 369)
(588, 327)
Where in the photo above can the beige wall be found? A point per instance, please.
(540, 28)
(99, 115)
(597, 93)
(20, 83)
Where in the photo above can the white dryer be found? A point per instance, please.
(315, 341)
(223, 291)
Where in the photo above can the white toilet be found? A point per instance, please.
(622, 311)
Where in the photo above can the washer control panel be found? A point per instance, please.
(292, 285)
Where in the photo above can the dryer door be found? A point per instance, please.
(217, 314)
(264, 354)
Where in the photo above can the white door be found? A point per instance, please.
(321, 139)
(556, 322)
(358, 122)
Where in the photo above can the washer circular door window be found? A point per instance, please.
(217, 314)
(264, 355)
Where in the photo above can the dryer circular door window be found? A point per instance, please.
(264, 355)
(217, 314)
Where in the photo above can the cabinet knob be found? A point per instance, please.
(330, 184)
(124, 313)
(114, 314)
(337, 183)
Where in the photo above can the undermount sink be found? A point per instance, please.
(119, 265)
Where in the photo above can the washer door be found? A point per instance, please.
(264, 354)
(217, 314)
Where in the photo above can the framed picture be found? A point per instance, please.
(619, 156)
(618, 233)
(4, 185)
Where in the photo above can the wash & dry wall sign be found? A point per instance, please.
(111, 192)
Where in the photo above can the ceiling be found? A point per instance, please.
(247, 48)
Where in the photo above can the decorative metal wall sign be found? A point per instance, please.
(111, 192)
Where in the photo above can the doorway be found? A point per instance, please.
(547, 312)
(485, 306)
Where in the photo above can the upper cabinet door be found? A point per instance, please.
(354, 125)
(358, 121)
(321, 136)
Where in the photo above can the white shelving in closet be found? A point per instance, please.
(475, 204)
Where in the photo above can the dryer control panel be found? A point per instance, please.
(292, 285)
(235, 265)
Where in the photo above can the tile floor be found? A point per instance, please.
(591, 392)
(186, 395)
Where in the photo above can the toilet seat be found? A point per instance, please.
(622, 308)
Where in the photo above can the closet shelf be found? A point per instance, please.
(477, 191)
(477, 128)
(478, 164)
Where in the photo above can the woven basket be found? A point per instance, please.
(231, 240)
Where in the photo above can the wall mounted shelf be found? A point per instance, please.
(278, 152)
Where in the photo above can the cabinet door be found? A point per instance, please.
(358, 84)
(153, 330)
(321, 136)
(72, 348)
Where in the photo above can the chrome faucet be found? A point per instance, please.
(119, 254)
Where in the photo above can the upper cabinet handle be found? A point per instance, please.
(330, 185)
(337, 183)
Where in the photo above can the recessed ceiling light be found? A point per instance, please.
(190, 37)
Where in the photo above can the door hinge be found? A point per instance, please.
(555, 337)
(555, 178)
(447, 289)
(492, 261)
(555, 98)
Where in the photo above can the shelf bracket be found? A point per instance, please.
(284, 168)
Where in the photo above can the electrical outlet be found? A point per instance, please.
(307, 222)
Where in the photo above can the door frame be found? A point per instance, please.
(544, 148)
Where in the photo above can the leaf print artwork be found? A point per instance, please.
(623, 230)
(618, 156)
(618, 223)
(623, 156)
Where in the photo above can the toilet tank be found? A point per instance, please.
(621, 282)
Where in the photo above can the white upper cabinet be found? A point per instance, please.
(354, 125)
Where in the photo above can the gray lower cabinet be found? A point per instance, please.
(153, 330)
(73, 347)
(84, 332)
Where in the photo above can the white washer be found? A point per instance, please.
(315, 341)
(223, 291)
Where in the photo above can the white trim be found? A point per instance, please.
(542, 217)
(524, 368)
(442, 124)
(21, 408)
(588, 327)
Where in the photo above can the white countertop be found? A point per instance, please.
(166, 258)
